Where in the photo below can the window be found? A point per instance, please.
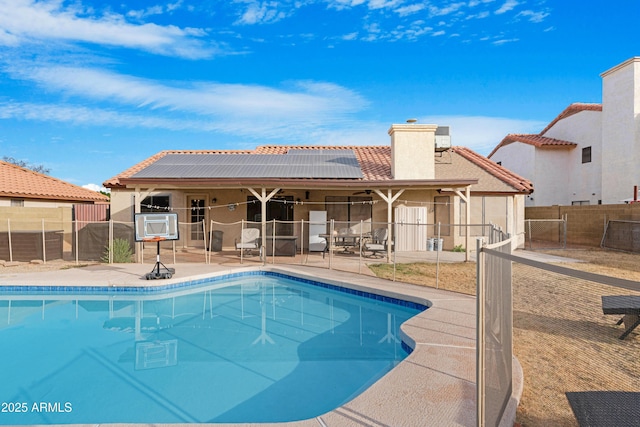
(349, 210)
(279, 208)
(17, 202)
(196, 217)
(580, 203)
(586, 155)
(155, 204)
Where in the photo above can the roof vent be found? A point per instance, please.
(443, 139)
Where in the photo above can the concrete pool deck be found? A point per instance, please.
(435, 385)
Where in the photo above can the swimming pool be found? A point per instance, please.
(250, 348)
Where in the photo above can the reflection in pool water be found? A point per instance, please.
(254, 349)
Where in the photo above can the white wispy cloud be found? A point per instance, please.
(500, 42)
(30, 21)
(95, 97)
(97, 188)
(532, 16)
(506, 7)
(263, 12)
(410, 9)
(306, 99)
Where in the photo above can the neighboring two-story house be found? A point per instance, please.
(589, 153)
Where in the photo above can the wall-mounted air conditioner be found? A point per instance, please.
(443, 138)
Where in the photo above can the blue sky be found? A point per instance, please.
(88, 87)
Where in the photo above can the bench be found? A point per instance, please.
(626, 305)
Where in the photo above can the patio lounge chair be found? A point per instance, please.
(605, 408)
(248, 240)
(377, 244)
(628, 306)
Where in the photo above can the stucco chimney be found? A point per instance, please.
(412, 150)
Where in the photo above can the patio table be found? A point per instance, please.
(628, 306)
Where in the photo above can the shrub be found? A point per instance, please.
(458, 248)
(121, 249)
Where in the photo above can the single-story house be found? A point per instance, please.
(419, 172)
(31, 202)
(21, 187)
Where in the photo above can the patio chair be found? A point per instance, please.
(377, 244)
(248, 240)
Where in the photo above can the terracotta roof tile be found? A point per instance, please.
(535, 140)
(492, 168)
(570, 111)
(23, 183)
(541, 141)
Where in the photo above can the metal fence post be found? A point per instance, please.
(75, 228)
(438, 258)
(9, 236)
(301, 241)
(44, 244)
(333, 227)
(273, 242)
(110, 241)
(480, 362)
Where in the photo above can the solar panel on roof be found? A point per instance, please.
(297, 163)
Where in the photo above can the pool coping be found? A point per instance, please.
(442, 337)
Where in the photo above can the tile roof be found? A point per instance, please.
(535, 140)
(18, 182)
(570, 111)
(495, 177)
(375, 163)
(541, 141)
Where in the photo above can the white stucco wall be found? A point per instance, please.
(520, 159)
(620, 131)
(581, 181)
(412, 151)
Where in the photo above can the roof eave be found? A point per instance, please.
(54, 197)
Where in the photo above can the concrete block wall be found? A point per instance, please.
(586, 223)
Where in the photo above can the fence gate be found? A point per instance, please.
(546, 233)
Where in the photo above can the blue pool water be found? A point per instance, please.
(260, 348)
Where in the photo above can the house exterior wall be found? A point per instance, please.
(521, 159)
(551, 178)
(36, 203)
(621, 131)
(576, 181)
(559, 177)
(504, 210)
